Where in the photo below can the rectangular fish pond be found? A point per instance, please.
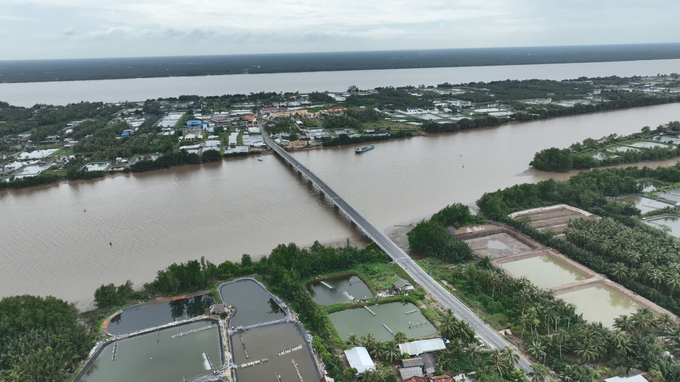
(279, 350)
(600, 303)
(644, 204)
(253, 303)
(144, 316)
(338, 290)
(670, 223)
(168, 355)
(545, 271)
(383, 320)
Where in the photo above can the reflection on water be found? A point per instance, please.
(141, 317)
(544, 271)
(397, 316)
(253, 304)
(157, 357)
(600, 303)
(669, 223)
(339, 289)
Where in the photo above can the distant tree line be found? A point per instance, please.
(580, 155)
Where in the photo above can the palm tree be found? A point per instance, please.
(369, 341)
(376, 349)
(643, 319)
(539, 373)
(538, 350)
(390, 351)
(619, 340)
(665, 321)
(448, 325)
(624, 322)
(352, 340)
(400, 337)
(474, 352)
(499, 364)
(618, 270)
(464, 332)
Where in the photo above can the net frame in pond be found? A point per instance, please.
(101, 347)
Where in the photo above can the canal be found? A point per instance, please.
(223, 210)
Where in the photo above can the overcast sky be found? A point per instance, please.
(32, 29)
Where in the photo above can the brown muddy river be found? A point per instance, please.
(221, 211)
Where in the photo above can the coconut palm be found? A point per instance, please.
(389, 351)
(624, 322)
(400, 337)
(352, 340)
(538, 350)
(643, 319)
(539, 373)
(665, 321)
(618, 270)
(619, 340)
(369, 342)
(448, 325)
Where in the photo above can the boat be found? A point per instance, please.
(363, 149)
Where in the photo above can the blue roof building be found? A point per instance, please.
(194, 123)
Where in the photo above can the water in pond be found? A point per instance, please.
(397, 316)
(672, 195)
(158, 357)
(669, 222)
(645, 204)
(600, 303)
(649, 145)
(267, 343)
(621, 149)
(253, 303)
(338, 290)
(544, 271)
(141, 317)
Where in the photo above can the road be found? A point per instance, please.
(485, 332)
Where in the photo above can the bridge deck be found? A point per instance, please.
(488, 335)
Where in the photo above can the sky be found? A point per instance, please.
(57, 29)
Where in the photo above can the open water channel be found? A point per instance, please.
(338, 290)
(223, 210)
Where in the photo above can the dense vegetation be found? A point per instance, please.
(144, 67)
(344, 139)
(555, 335)
(41, 339)
(432, 238)
(580, 155)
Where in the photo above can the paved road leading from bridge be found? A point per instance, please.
(488, 335)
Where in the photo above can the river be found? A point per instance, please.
(222, 210)
(63, 92)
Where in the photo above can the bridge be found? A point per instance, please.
(462, 312)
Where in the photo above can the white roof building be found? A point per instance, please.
(359, 359)
(423, 346)
(635, 378)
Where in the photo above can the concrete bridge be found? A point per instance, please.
(487, 334)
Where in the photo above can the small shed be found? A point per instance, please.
(402, 284)
(217, 309)
(359, 359)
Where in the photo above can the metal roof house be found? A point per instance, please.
(423, 346)
(359, 359)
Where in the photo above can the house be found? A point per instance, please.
(233, 140)
(326, 378)
(126, 133)
(635, 378)
(423, 346)
(359, 359)
(402, 284)
(410, 372)
(217, 309)
(447, 378)
(190, 137)
(52, 138)
(418, 379)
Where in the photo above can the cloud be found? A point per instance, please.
(155, 27)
